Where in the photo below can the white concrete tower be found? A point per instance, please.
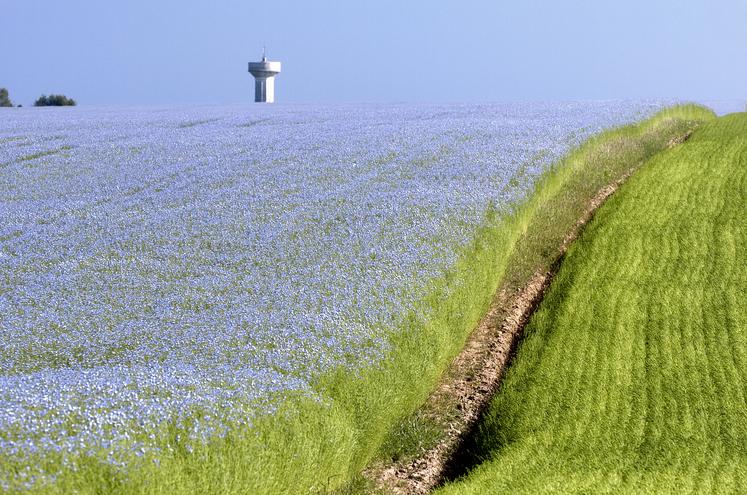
(264, 73)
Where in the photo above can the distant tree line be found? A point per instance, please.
(4, 99)
(42, 101)
(54, 101)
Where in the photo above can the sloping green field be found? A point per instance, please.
(632, 375)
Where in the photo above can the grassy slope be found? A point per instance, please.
(314, 447)
(633, 373)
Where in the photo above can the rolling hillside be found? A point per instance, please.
(632, 375)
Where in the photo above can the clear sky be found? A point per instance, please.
(169, 51)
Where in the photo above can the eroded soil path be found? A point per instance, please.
(475, 374)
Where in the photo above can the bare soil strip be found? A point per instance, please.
(475, 374)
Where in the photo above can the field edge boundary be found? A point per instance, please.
(474, 376)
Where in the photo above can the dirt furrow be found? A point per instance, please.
(475, 374)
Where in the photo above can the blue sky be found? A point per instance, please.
(167, 51)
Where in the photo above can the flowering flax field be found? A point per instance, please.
(190, 269)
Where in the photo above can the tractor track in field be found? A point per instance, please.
(475, 374)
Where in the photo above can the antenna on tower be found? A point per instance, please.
(264, 53)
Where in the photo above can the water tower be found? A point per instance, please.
(264, 73)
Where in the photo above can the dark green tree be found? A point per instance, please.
(4, 99)
(54, 101)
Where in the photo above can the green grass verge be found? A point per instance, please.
(632, 376)
(319, 446)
